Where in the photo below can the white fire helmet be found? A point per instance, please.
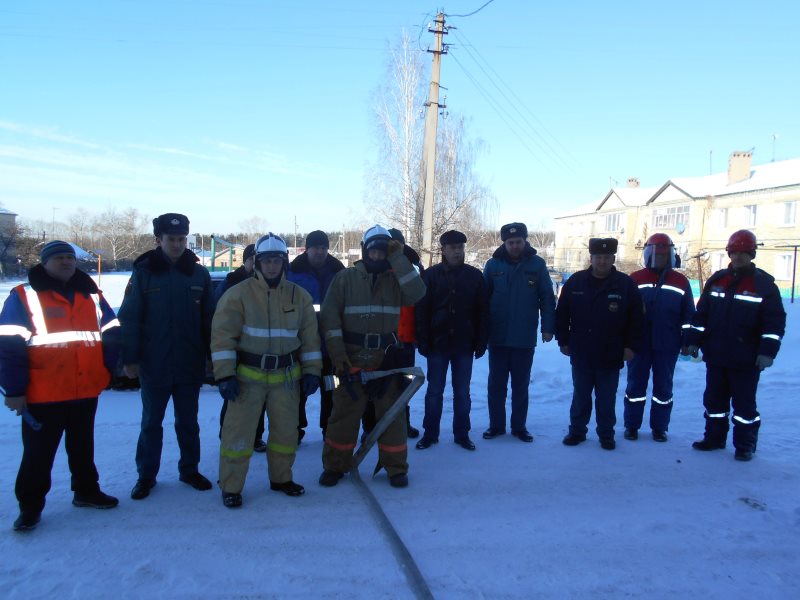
(271, 245)
(376, 236)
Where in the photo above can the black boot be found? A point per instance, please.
(142, 489)
(27, 520)
(426, 443)
(197, 481)
(94, 500)
(659, 436)
(608, 443)
(398, 480)
(231, 500)
(290, 488)
(743, 455)
(330, 478)
(707, 444)
(492, 433)
(631, 434)
(573, 439)
(465, 443)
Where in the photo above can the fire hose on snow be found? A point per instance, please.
(407, 564)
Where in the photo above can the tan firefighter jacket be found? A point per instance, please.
(253, 318)
(354, 304)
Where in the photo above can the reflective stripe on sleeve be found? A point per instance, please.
(311, 356)
(697, 327)
(644, 286)
(718, 294)
(771, 336)
(334, 333)
(19, 330)
(224, 355)
(316, 308)
(109, 325)
(686, 326)
(407, 277)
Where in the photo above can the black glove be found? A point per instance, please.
(310, 384)
(479, 352)
(229, 388)
(423, 349)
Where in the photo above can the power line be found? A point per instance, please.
(497, 108)
(474, 11)
(468, 43)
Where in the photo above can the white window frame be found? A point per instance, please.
(783, 266)
(789, 213)
(611, 222)
(722, 218)
(718, 261)
(668, 218)
(750, 215)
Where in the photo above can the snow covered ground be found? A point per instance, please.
(511, 520)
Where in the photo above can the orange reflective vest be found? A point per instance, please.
(65, 353)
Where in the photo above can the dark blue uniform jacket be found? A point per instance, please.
(599, 319)
(739, 316)
(669, 307)
(166, 318)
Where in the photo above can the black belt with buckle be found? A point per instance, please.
(370, 341)
(265, 362)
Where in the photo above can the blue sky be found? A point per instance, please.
(253, 108)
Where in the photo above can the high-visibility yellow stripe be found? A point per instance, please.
(228, 453)
(280, 448)
(279, 376)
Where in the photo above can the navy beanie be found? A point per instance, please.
(317, 238)
(452, 237)
(55, 247)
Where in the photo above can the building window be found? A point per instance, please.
(789, 213)
(612, 222)
(669, 218)
(722, 218)
(718, 261)
(783, 266)
(750, 212)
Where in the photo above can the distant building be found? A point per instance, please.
(698, 213)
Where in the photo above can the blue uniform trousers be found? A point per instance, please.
(154, 405)
(460, 373)
(724, 387)
(604, 384)
(662, 364)
(516, 362)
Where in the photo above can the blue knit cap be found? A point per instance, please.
(53, 248)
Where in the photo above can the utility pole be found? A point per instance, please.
(429, 147)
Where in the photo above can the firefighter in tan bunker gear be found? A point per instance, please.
(265, 348)
(359, 319)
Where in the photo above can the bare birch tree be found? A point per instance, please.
(394, 186)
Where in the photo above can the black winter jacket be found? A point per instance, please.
(454, 314)
(599, 319)
(739, 316)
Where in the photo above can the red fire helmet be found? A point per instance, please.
(660, 243)
(742, 241)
